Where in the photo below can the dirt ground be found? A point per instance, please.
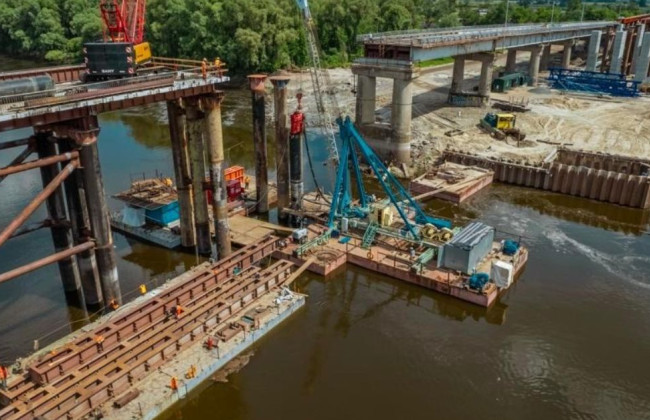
(611, 125)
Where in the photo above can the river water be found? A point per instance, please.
(570, 339)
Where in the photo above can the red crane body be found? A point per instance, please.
(123, 21)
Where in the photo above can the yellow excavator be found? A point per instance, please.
(500, 126)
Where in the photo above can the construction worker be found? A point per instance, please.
(3, 376)
(204, 68)
(247, 182)
(173, 384)
(99, 339)
(218, 63)
(113, 304)
(179, 311)
(209, 343)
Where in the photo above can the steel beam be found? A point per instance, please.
(50, 160)
(16, 143)
(19, 159)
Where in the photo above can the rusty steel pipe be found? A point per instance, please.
(37, 201)
(50, 259)
(19, 159)
(39, 163)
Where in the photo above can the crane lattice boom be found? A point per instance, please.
(123, 21)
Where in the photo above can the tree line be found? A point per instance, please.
(264, 35)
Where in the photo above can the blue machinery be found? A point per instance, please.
(342, 198)
(593, 82)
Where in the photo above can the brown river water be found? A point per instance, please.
(569, 340)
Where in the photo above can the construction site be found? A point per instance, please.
(394, 140)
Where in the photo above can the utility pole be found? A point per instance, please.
(505, 23)
(582, 14)
(552, 11)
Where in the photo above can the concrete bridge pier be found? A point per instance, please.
(546, 57)
(211, 105)
(617, 51)
(643, 60)
(366, 99)
(485, 79)
(458, 75)
(511, 61)
(636, 46)
(593, 51)
(391, 141)
(533, 65)
(566, 53)
(182, 170)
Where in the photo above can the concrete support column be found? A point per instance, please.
(594, 49)
(566, 54)
(458, 75)
(259, 141)
(638, 44)
(485, 80)
(617, 51)
(546, 57)
(98, 212)
(81, 232)
(56, 210)
(182, 171)
(197, 159)
(401, 119)
(511, 61)
(643, 60)
(295, 167)
(366, 99)
(282, 142)
(533, 65)
(214, 139)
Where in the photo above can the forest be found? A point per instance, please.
(264, 35)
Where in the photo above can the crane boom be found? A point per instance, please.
(326, 103)
(123, 22)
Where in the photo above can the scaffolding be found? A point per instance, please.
(613, 84)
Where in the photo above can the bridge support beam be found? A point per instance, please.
(511, 61)
(566, 54)
(56, 209)
(458, 75)
(367, 99)
(282, 142)
(182, 171)
(259, 141)
(533, 65)
(195, 119)
(637, 46)
(211, 105)
(594, 50)
(643, 60)
(617, 51)
(97, 209)
(546, 57)
(401, 113)
(81, 231)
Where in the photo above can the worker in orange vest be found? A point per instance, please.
(173, 384)
(99, 339)
(179, 311)
(3, 376)
(204, 68)
(113, 304)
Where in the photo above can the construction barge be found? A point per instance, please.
(119, 366)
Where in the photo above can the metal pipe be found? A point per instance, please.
(16, 143)
(98, 215)
(37, 201)
(214, 139)
(27, 268)
(282, 142)
(38, 163)
(259, 141)
(33, 227)
(182, 172)
(75, 196)
(197, 156)
(61, 236)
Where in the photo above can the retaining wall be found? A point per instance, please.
(570, 175)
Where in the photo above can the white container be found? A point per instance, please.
(344, 224)
(502, 274)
